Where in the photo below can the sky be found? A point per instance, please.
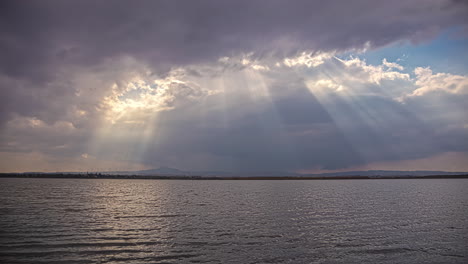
(243, 86)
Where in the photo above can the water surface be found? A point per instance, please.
(184, 221)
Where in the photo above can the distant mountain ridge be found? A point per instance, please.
(166, 171)
(388, 173)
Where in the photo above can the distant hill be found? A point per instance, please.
(388, 173)
(166, 171)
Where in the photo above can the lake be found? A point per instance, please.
(202, 221)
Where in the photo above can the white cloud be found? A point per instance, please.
(308, 59)
(392, 65)
(329, 84)
(359, 70)
(427, 82)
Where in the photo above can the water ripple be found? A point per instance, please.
(132, 221)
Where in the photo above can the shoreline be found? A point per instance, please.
(188, 177)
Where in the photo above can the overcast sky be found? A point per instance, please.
(247, 86)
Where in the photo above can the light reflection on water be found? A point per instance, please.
(164, 221)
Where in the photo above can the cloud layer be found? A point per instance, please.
(241, 85)
(246, 114)
(39, 37)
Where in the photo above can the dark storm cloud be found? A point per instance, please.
(37, 37)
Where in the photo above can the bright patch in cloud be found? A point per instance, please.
(427, 82)
(307, 59)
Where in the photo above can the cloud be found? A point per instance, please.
(307, 59)
(39, 162)
(240, 85)
(227, 115)
(141, 98)
(43, 42)
(447, 161)
(428, 82)
(392, 65)
(42, 36)
(373, 74)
